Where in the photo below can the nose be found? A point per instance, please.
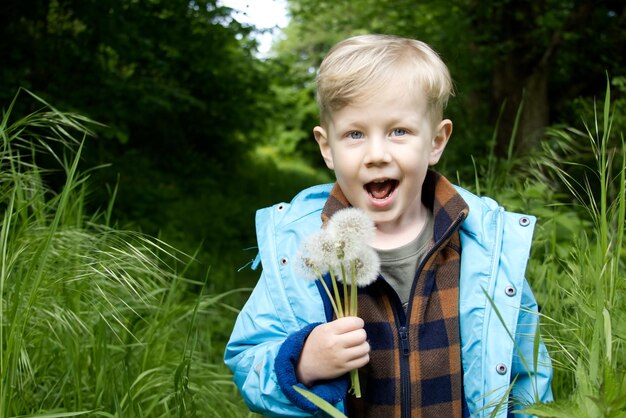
(377, 151)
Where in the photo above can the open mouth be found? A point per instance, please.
(381, 189)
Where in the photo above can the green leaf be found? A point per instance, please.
(58, 415)
(321, 403)
(607, 334)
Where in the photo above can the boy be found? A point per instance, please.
(428, 341)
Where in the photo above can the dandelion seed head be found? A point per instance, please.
(353, 229)
(312, 257)
(340, 249)
(342, 245)
(366, 266)
(351, 225)
(327, 248)
(306, 268)
(358, 264)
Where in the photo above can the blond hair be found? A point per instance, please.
(357, 68)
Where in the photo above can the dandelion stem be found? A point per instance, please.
(330, 296)
(337, 296)
(355, 383)
(353, 290)
(345, 291)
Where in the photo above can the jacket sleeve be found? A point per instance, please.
(531, 366)
(259, 346)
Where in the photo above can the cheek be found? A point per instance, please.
(345, 161)
(341, 170)
(414, 165)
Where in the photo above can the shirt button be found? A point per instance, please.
(284, 261)
(280, 207)
(501, 368)
(524, 221)
(510, 290)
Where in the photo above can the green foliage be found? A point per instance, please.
(549, 52)
(576, 187)
(96, 321)
(162, 75)
(587, 325)
(211, 216)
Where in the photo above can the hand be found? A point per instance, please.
(333, 349)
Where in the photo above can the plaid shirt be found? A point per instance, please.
(415, 359)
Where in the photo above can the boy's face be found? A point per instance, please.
(380, 151)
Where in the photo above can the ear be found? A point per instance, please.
(322, 140)
(442, 135)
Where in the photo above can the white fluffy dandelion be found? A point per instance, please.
(351, 229)
(365, 266)
(342, 249)
(313, 256)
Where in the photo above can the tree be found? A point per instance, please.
(181, 93)
(538, 50)
(162, 74)
(547, 52)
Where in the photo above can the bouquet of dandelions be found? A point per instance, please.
(342, 251)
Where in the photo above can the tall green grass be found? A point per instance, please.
(585, 280)
(575, 185)
(95, 321)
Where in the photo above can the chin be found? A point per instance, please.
(381, 217)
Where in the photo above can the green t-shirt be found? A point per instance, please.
(399, 265)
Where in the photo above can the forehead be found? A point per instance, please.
(401, 81)
(394, 99)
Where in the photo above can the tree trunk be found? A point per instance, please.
(522, 77)
(513, 88)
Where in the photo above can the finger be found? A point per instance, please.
(352, 338)
(358, 362)
(357, 352)
(346, 324)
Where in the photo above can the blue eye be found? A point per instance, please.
(355, 135)
(398, 132)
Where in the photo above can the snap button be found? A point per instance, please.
(284, 261)
(524, 221)
(501, 368)
(510, 290)
(280, 207)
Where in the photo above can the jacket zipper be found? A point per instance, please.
(405, 377)
(402, 322)
(405, 350)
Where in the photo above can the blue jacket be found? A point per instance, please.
(495, 249)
